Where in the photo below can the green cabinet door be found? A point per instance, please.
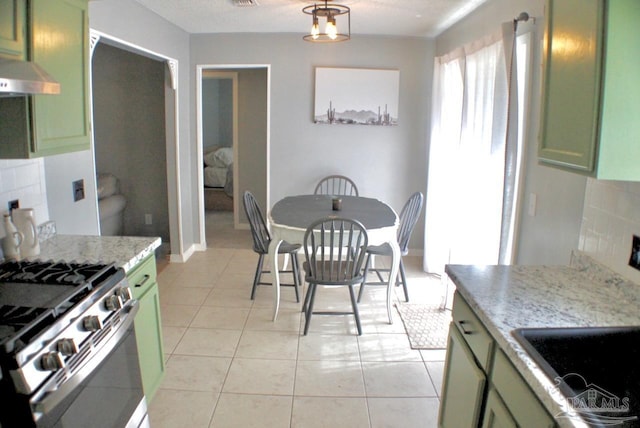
(12, 24)
(60, 44)
(463, 385)
(571, 84)
(142, 281)
(496, 414)
(149, 339)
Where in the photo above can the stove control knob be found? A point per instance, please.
(124, 293)
(51, 361)
(113, 303)
(92, 323)
(67, 347)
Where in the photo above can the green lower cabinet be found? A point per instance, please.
(149, 338)
(481, 387)
(463, 385)
(142, 281)
(496, 414)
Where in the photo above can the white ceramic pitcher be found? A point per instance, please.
(12, 240)
(25, 221)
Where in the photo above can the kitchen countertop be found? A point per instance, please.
(583, 294)
(124, 251)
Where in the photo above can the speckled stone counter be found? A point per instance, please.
(581, 295)
(124, 251)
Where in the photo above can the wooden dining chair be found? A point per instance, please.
(334, 250)
(336, 185)
(408, 219)
(261, 241)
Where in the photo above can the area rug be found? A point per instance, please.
(427, 325)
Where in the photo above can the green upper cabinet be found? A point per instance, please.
(42, 125)
(60, 44)
(13, 16)
(590, 88)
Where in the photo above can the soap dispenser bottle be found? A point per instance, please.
(12, 239)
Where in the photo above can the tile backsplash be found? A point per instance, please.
(24, 180)
(610, 218)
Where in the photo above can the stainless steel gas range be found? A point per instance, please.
(68, 354)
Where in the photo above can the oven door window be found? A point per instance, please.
(108, 398)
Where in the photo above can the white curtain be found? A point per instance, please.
(474, 156)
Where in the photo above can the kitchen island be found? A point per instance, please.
(504, 298)
(136, 255)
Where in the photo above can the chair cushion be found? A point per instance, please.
(329, 276)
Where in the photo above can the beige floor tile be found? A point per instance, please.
(195, 373)
(252, 411)
(262, 319)
(397, 379)
(264, 298)
(208, 342)
(171, 409)
(387, 347)
(436, 373)
(174, 295)
(229, 298)
(328, 347)
(329, 379)
(253, 376)
(177, 315)
(197, 279)
(322, 412)
(433, 354)
(219, 317)
(403, 412)
(235, 280)
(171, 336)
(274, 345)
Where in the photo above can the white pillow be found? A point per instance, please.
(224, 156)
(211, 160)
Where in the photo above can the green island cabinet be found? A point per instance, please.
(590, 91)
(13, 15)
(58, 40)
(481, 388)
(144, 287)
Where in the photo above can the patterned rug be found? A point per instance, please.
(426, 325)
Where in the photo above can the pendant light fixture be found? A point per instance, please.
(328, 11)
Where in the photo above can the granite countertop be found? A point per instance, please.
(583, 294)
(124, 251)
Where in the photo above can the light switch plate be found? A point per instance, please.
(78, 190)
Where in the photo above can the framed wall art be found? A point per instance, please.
(356, 96)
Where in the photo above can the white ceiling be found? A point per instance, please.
(419, 18)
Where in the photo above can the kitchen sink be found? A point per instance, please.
(597, 369)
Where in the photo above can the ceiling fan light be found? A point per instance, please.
(329, 11)
(315, 28)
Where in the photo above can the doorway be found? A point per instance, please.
(135, 139)
(233, 147)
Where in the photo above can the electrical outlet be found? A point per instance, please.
(78, 190)
(14, 204)
(634, 260)
(148, 219)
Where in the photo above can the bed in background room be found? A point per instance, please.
(218, 178)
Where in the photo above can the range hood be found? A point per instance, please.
(18, 78)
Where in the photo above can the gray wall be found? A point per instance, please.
(550, 235)
(128, 21)
(387, 162)
(217, 112)
(129, 134)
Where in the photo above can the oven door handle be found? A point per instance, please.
(52, 396)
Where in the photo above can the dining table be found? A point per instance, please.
(290, 217)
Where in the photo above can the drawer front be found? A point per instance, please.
(521, 401)
(474, 333)
(142, 277)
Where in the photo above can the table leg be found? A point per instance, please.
(393, 274)
(275, 277)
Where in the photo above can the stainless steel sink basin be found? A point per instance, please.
(597, 369)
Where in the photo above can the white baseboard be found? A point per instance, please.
(182, 258)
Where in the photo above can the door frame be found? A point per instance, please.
(210, 69)
(172, 137)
